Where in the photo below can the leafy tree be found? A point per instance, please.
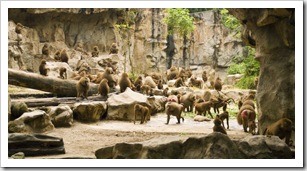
(230, 22)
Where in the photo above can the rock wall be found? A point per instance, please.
(271, 32)
(143, 45)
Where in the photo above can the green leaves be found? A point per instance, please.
(179, 20)
(231, 22)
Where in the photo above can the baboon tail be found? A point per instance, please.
(239, 118)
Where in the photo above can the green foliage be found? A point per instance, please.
(192, 10)
(179, 20)
(230, 22)
(236, 68)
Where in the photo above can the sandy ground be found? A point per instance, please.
(83, 139)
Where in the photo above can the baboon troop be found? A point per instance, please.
(281, 128)
(82, 87)
(143, 111)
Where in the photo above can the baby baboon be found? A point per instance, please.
(104, 88)
(204, 76)
(217, 126)
(138, 83)
(42, 68)
(179, 82)
(246, 115)
(45, 50)
(95, 52)
(218, 84)
(124, 82)
(113, 49)
(18, 28)
(222, 117)
(143, 111)
(203, 107)
(83, 86)
(281, 128)
(57, 55)
(63, 73)
(165, 92)
(145, 89)
(175, 109)
(188, 100)
(172, 73)
(64, 56)
(160, 85)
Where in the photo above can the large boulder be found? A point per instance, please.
(37, 121)
(89, 111)
(61, 116)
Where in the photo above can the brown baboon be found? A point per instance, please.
(103, 88)
(221, 103)
(175, 109)
(172, 73)
(107, 74)
(204, 76)
(143, 111)
(165, 92)
(42, 68)
(160, 85)
(57, 55)
(149, 81)
(138, 83)
(203, 107)
(218, 84)
(63, 73)
(145, 89)
(45, 49)
(207, 95)
(179, 82)
(124, 82)
(95, 52)
(188, 73)
(222, 117)
(281, 128)
(172, 98)
(188, 100)
(64, 56)
(83, 86)
(182, 74)
(217, 126)
(18, 28)
(248, 100)
(113, 49)
(155, 76)
(84, 67)
(196, 83)
(245, 117)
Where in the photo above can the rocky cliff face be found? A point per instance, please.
(143, 45)
(271, 32)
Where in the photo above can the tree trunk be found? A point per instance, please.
(57, 86)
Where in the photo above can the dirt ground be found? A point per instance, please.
(83, 139)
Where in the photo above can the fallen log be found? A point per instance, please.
(57, 86)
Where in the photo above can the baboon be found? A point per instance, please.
(172, 73)
(221, 103)
(95, 52)
(84, 67)
(218, 84)
(138, 83)
(175, 109)
(64, 56)
(124, 82)
(245, 117)
(172, 98)
(248, 100)
(203, 107)
(155, 76)
(42, 68)
(188, 73)
(160, 85)
(79, 47)
(82, 87)
(204, 76)
(207, 95)
(143, 111)
(113, 49)
(188, 100)
(145, 89)
(165, 92)
(222, 117)
(107, 74)
(281, 128)
(18, 28)
(182, 74)
(45, 50)
(217, 126)
(57, 55)
(63, 73)
(149, 81)
(103, 88)
(195, 82)
(179, 82)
